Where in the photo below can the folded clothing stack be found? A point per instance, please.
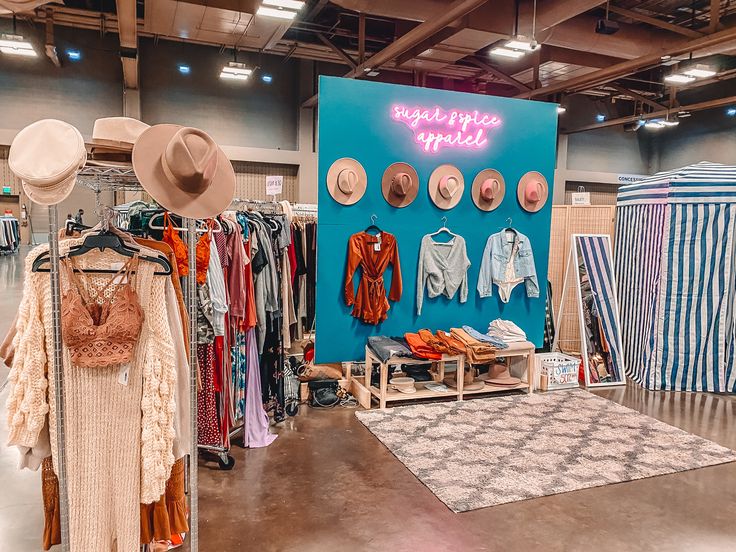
(385, 347)
(420, 348)
(476, 351)
(506, 331)
(485, 338)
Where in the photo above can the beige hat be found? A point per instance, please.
(446, 186)
(488, 190)
(346, 181)
(472, 385)
(403, 385)
(46, 156)
(184, 170)
(498, 374)
(400, 184)
(116, 133)
(532, 191)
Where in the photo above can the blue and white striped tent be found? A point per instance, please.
(676, 273)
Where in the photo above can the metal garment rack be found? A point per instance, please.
(101, 179)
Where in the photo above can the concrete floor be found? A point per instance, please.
(327, 484)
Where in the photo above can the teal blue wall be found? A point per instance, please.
(354, 121)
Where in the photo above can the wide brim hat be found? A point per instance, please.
(391, 192)
(116, 134)
(532, 183)
(498, 374)
(447, 174)
(342, 195)
(46, 156)
(480, 182)
(475, 385)
(172, 166)
(403, 385)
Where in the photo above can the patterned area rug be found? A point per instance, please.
(479, 453)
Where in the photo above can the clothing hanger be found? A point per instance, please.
(217, 229)
(372, 225)
(444, 229)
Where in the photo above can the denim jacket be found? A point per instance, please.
(496, 257)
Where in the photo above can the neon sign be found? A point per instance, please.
(435, 128)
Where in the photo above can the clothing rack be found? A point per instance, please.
(101, 179)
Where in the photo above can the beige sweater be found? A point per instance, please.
(31, 395)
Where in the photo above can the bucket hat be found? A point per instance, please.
(400, 184)
(184, 170)
(532, 191)
(446, 186)
(488, 189)
(346, 181)
(46, 156)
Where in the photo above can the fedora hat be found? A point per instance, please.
(400, 184)
(346, 181)
(532, 191)
(446, 186)
(498, 374)
(403, 385)
(46, 156)
(488, 189)
(116, 133)
(472, 385)
(184, 170)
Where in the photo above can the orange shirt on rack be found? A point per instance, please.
(373, 255)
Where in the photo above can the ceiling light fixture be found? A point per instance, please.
(600, 117)
(278, 13)
(289, 4)
(374, 73)
(676, 78)
(235, 71)
(522, 44)
(654, 124)
(700, 71)
(506, 52)
(16, 45)
(74, 55)
(561, 109)
(682, 114)
(669, 123)
(184, 69)
(731, 112)
(267, 78)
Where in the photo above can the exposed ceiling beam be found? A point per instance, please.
(636, 96)
(489, 69)
(715, 15)
(128, 32)
(339, 51)
(361, 38)
(314, 12)
(576, 57)
(710, 104)
(636, 16)
(631, 66)
(456, 10)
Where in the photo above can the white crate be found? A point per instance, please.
(556, 371)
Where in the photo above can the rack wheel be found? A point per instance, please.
(226, 462)
(292, 408)
(279, 416)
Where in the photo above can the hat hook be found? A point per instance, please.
(508, 221)
(444, 221)
(373, 219)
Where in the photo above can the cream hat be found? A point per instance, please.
(403, 385)
(346, 181)
(488, 190)
(116, 133)
(446, 186)
(400, 184)
(532, 191)
(184, 170)
(46, 156)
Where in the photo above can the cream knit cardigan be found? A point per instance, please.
(31, 395)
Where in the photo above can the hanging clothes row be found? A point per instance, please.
(9, 234)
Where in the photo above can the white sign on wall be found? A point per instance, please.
(581, 198)
(274, 185)
(630, 178)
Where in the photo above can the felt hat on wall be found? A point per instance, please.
(400, 184)
(46, 156)
(446, 186)
(488, 189)
(184, 170)
(346, 181)
(532, 191)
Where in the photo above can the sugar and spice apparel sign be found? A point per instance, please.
(436, 128)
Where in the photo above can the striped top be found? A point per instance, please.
(702, 182)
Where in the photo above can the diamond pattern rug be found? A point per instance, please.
(485, 452)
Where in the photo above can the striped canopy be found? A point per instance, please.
(676, 273)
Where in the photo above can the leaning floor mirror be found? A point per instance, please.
(590, 271)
